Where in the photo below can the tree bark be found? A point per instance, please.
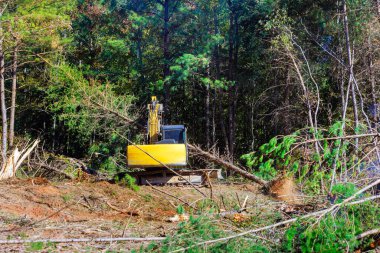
(2, 98)
(351, 67)
(232, 67)
(372, 81)
(14, 93)
(227, 165)
(236, 86)
(218, 95)
(287, 104)
(230, 41)
(217, 73)
(223, 126)
(140, 63)
(166, 69)
(208, 116)
(230, 77)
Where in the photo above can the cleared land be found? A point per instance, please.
(37, 208)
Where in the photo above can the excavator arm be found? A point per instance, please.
(154, 120)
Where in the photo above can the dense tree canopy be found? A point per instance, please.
(235, 72)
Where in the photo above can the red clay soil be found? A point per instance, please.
(39, 209)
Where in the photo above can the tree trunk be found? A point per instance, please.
(287, 116)
(213, 118)
(372, 81)
(231, 77)
(140, 64)
(227, 165)
(166, 69)
(2, 98)
(216, 49)
(222, 125)
(351, 67)
(208, 116)
(230, 42)
(236, 86)
(217, 74)
(14, 92)
(342, 93)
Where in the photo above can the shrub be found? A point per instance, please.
(334, 232)
(128, 181)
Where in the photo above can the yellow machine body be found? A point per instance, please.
(172, 155)
(154, 120)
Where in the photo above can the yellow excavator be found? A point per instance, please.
(166, 151)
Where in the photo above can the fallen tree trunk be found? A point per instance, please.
(214, 159)
(76, 240)
(46, 166)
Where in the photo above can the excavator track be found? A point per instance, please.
(185, 177)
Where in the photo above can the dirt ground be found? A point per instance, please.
(39, 209)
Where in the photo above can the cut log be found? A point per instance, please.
(217, 160)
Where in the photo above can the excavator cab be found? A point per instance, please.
(173, 134)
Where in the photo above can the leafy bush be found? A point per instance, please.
(342, 191)
(81, 107)
(315, 166)
(271, 158)
(127, 180)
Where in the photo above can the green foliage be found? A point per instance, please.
(180, 209)
(41, 247)
(66, 197)
(189, 64)
(36, 246)
(343, 191)
(272, 157)
(84, 108)
(312, 170)
(128, 181)
(202, 229)
(148, 197)
(333, 233)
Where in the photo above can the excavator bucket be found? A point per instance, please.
(154, 156)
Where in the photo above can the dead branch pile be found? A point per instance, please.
(56, 167)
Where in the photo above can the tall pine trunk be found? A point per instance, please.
(217, 73)
(208, 116)
(231, 92)
(166, 69)
(14, 93)
(2, 101)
